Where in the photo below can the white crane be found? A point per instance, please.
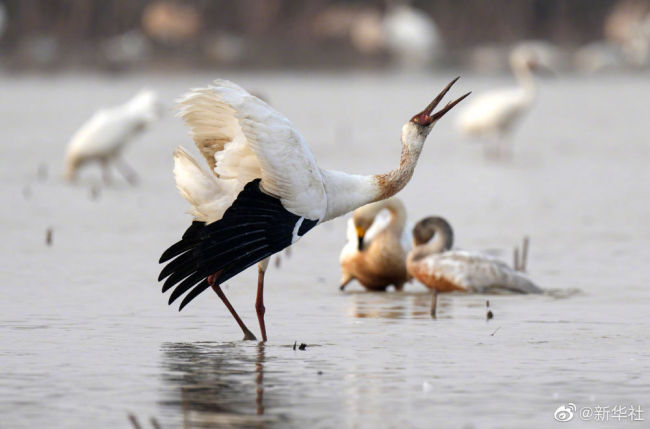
(378, 242)
(441, 269)
(492, 115)
(102, 138)
(265, 190)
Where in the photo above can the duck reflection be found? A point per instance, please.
(220, 384)
(396, 305)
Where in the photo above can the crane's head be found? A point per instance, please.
(425, 120)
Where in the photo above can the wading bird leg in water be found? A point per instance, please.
(347, 278)
(212, 280)
(259, 301)
(127, 171)
(434, 303)
(106, 172)
(505, 148)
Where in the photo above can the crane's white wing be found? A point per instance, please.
(478, 272)
(243, 138)
(266, 191)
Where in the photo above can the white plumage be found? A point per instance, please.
(410, 35)
(492, 115)
(265, 190)
(243, 138)
(105, 134)
(379, 224)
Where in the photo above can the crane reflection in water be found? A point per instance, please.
(219, 384)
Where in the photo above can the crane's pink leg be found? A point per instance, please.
(259, 302)
(248, 335)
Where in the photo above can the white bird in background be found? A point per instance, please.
(377, 245)
(103, 137)
(492, 115)
(441, 269)
(410, 35)
(265, 190)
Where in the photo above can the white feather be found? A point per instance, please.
(248, 139)
(202, 190)
(493, 112)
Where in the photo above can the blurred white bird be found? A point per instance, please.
(441, 269)
(378, 242)
(105, 134)
(492, 115)
(265, 190)
(410, 35)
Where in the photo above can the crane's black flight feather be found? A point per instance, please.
(255, 227)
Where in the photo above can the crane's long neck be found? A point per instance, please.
(347, 192)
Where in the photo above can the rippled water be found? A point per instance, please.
(87, 338)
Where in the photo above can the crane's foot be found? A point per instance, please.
(248, 336)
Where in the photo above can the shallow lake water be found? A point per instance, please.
(87, 337)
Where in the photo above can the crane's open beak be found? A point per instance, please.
(427, 116)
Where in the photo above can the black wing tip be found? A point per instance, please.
(188, 240)
(207, 248)
(196, 291)
(169, 253)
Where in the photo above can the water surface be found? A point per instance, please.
(87, 337)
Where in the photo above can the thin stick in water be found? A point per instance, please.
(134, 422)
(515, 258)
(524, 253)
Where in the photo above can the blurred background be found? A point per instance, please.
(121, 35)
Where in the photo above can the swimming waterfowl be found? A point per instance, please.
(377, 245)
(265, 190)
(441, 269)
